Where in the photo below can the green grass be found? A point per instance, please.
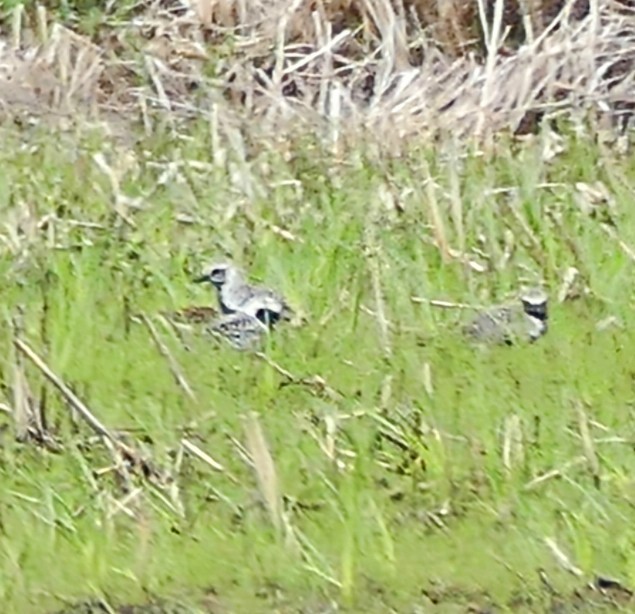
(384, 525)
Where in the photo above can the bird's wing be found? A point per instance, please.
(490, 326)
(240, 329)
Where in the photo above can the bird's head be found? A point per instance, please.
(219, 274)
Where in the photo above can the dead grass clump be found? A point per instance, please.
(397, 71)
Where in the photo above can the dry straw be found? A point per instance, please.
(342, 70)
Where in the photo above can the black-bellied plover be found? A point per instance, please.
(508, 324)
(235, 294)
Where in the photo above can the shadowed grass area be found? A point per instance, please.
(430, 467)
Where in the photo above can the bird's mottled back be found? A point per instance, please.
(524, 322)
(490, 326)
(241, 330)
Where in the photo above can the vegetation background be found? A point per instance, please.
(389, 166)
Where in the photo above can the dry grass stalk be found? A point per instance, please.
(42, 24)
(561, 558)
(436, 219)
(526, 228)
(319, 386)
(28, 414)
(113, 176)
(327, 442)
(266, 474)
(456, 204)
(122, 505)
(612, 233)
(513, 451)
(172, 363)
(316, 383)
(194, 450)
(22, 400)
(169, 494)
(428, 384)
(385, 397)
(373, 262)
(443, 304)
(382, 320)
(554, 473)
(492, 42)
(16, 26)
(330, 439)
(588, 445)
(276, 367)
(119, 449)
(22, 397)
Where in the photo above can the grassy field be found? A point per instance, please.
(424, 475)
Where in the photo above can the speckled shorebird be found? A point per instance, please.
(235, 295)
(508, 324)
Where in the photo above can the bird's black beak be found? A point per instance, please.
(201, 279)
